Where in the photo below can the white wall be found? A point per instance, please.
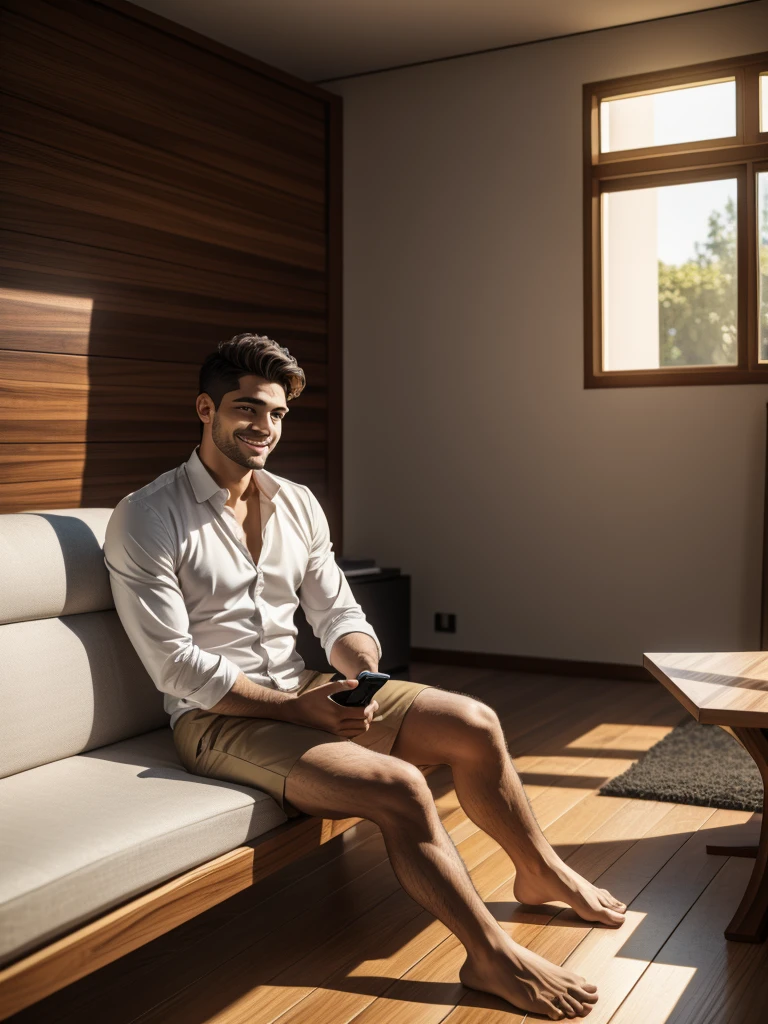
(554, 521)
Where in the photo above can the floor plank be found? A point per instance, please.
(621, 823)
(334, 939)
(307, 932)
(698, 977)
(155, 972)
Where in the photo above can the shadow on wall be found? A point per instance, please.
(102, 399)
(101, 392)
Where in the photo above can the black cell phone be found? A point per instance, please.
(368, 684)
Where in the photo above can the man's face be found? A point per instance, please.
(248, 423)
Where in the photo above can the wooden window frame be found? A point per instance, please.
(741, 156)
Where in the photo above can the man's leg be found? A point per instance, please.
(442, 727)
(336, 780)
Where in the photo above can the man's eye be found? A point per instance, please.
(247, 408)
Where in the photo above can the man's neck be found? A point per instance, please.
(238, 480)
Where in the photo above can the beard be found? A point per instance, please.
(228, 445)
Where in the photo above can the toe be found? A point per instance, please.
(594, 910)
(584, 992)
(608, 901)
(609, 916)
(611, 901)
(554, 1012)
(572, 1003)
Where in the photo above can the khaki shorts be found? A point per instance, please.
(260, 752)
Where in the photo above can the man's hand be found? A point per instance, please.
(313, 709)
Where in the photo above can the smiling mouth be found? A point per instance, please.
(257, 446)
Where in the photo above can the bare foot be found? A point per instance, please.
(529, 982)
(556, 881)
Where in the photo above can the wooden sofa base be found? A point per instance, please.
(145, 918)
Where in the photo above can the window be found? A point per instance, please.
(676, 226)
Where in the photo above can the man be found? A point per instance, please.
(208, 564)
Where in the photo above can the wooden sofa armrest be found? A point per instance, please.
(153, 913)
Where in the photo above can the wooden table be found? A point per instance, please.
(730, 690)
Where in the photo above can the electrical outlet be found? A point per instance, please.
(445, 622)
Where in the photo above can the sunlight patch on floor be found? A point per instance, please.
(668, 983)
(549, 765)
(615, 735)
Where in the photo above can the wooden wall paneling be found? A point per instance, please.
(31, 411)
(52, 470)
(145, 68)
(171, 313)
(32, 171)
(33, 320)
(105, 371)
(334, 475)
(177, 47)
(91, 225)
(35, 254)
(101, 371)
(159, 193)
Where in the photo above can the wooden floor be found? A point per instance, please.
(334, 939)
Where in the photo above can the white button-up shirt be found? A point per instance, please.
(196, 606)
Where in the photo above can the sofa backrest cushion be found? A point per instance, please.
(52, 563)
(70, 680)
(68, 685)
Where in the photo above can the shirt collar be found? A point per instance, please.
(205, 487)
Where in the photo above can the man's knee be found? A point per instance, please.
(399, 791)
(341, 779)
(479, 726)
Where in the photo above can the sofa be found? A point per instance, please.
(106, 840)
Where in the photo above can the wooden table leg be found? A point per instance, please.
(750, 922)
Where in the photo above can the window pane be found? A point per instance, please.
(666, 118)
(764, 103)
(669, 276)
(762, 234)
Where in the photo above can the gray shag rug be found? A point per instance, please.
(694, 764)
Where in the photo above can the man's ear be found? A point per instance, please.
(205, 408)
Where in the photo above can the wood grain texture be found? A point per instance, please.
(158, 911)
(54, 314)
(339, 938)
(726, 688)
(332, 938)
(158, 193)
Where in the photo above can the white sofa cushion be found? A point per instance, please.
(68, 685)
(53, 563)
(83, 834)
(70, 679)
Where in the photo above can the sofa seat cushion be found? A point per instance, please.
(86, 833)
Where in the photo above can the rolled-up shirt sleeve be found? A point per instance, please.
(325, 595)
(139, 554)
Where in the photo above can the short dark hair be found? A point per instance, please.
(249, 354)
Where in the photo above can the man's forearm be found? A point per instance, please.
(252, 700)
(351, 654)
(354, 653)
